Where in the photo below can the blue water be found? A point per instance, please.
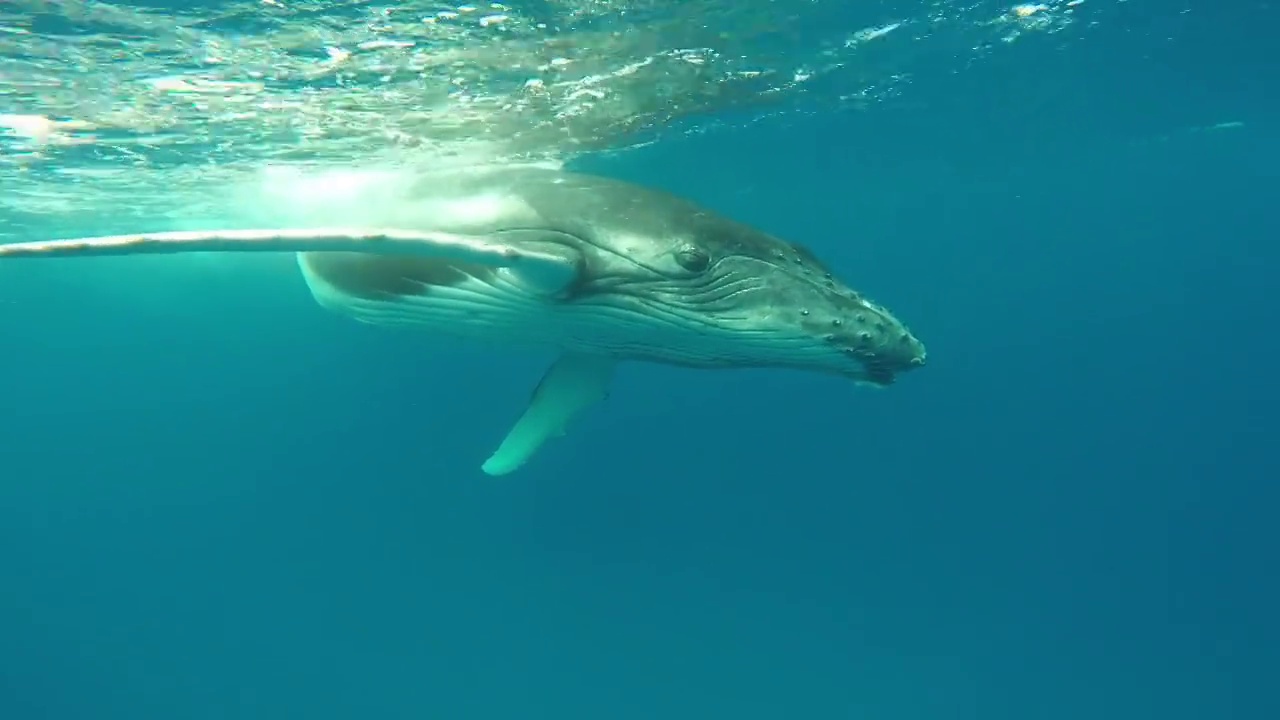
(235, 505)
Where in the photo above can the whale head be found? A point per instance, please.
(723, 294)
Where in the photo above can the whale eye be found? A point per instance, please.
(693, 259)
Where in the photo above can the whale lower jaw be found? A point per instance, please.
(499, 311)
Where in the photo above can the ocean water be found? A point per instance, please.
(219, 501)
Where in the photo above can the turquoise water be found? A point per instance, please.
(219, 501)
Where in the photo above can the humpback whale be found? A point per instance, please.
(599, 269)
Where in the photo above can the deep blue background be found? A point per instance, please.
(224, 502)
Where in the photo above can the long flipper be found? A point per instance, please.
(573, 383)
(541, 265)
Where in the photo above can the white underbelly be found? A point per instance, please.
(500, 310)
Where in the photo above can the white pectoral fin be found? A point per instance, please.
(573, 383)
(543, 266)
